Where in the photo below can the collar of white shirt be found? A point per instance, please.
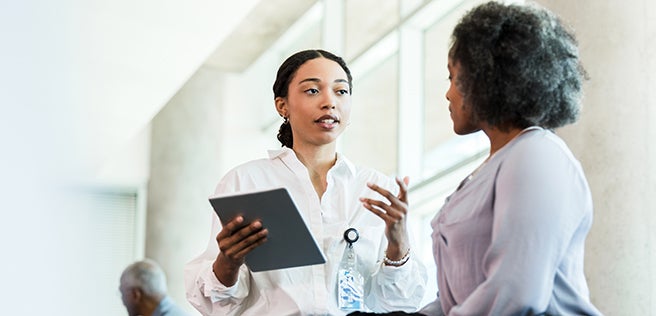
(285, 153)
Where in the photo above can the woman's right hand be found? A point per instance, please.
(235, 242)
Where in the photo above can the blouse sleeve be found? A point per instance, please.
(433, 308)
(541, 197)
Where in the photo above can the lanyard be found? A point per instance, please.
(350, 283)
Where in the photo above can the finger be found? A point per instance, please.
(229, 237)
(367, 203)
(385, 207)
(237, 250)
(250, 244)
(386, 212)
(403, 188)
(386, 194)
(396, 207)
(233, 225)
(229, 228)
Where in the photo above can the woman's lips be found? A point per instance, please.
(327, 121)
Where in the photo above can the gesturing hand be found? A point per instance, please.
(394, 213)
(235, 242)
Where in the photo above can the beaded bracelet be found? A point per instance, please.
(397, 263)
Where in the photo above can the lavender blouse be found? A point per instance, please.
(510, 240)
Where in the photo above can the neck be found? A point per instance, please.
(317, 157)
(499, 138)
(148, 306)
(318, 160)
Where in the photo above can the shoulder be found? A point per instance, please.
(368, 174)
(540, 158)
(275, 156)
(246, 176)
(250, 167)
(365, 174)
(540, 148)
(371, 173)
(167, 307)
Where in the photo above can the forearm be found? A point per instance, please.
(225, 272)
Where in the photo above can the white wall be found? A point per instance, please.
(79, 81)
(615, 142)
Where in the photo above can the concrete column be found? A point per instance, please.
(185, 167)
(615, 141)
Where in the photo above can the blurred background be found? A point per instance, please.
(118, 118)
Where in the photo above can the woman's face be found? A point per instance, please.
(461, 116)
(318, 102)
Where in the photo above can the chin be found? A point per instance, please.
(457, 130)
(327, 140)
(465, 131)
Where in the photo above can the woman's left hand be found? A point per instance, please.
(394, 213)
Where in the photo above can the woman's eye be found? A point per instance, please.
(342, 92)
(312, 91)
(450, 78)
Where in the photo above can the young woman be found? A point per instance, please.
(313, 96)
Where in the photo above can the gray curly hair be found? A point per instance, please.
(519, 66)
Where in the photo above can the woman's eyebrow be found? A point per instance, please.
(319, 80)
(309, 80)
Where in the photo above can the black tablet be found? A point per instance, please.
(289, 243)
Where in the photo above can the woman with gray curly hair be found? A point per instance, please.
(510, 239)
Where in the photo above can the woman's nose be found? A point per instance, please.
(329, 103)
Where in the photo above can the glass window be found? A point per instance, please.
(442, 147)
(371, 138)
(437, 122)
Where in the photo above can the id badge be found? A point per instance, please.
(350, 283)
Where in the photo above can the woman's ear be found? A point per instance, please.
(281, 106)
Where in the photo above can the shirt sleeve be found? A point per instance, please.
(204, 291)
(540, 200)
(397, 288)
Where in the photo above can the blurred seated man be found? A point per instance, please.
(143, 291)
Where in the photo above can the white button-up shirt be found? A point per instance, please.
(309, 290)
